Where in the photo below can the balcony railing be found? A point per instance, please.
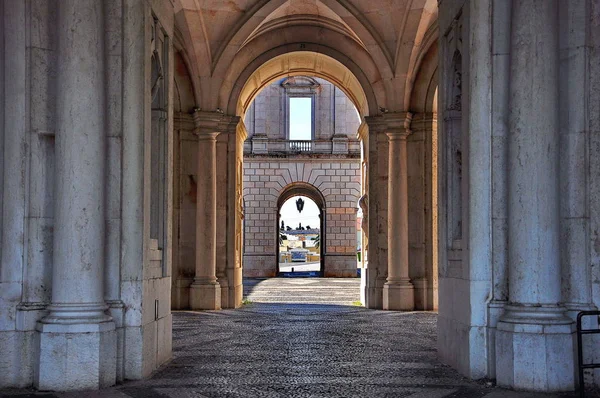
(264, 146)
(299, 146)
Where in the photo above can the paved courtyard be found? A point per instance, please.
(303, 348)
(299, 267)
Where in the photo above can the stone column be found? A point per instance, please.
(534, 342)
(77, 339)
(234, 214)
(205, 291)
(375, 150)
(398, 291)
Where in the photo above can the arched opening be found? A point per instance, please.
(162, 207)
(302, 239)
(326, 158)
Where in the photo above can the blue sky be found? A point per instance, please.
(300, 118)
(291, 217)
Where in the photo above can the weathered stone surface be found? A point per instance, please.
(300, 338)
(97, 153)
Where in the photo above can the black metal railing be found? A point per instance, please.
(580, 332)
(300, 146)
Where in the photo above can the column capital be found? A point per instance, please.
(424, 117)
(395, 125)
(398, 125)
(211, 124)
(376, 124)
(228, 124)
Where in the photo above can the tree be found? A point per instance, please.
(317, 240)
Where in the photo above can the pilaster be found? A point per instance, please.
(398, 291)
(377, 170)
(205, 291)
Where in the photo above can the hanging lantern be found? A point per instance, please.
(299, 205)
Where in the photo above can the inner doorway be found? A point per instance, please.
(301, 238)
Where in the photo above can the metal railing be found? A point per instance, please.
(580, 332)
(299, 146)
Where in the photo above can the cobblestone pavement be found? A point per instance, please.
(288, 350)
(342, 291)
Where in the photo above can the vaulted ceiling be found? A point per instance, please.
(381, 41)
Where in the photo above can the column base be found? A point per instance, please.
(205, 296)
(398, 296)
(76, 356)
(535, 349)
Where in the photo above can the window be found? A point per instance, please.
(301, 118)
(300, 102)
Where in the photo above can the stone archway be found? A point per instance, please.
(314, 194)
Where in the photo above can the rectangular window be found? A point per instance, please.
(301, 118)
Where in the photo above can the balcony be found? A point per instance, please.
(299, 146)
(261, 145)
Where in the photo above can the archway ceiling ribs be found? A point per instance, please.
(390, 31)
(302, 63)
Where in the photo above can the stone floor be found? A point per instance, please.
(302, 348)
(300, 267)
(342, 291)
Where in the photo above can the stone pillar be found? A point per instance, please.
(422, 214)
(375, 151)
(77, 339)
(235, 173)
(534, 341)
(398, 291)
(205, 291)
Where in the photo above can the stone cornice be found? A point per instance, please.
(376, 124)
(398, 122)
(214, 123)
(392, 124)
(424, 117)
(183, 121)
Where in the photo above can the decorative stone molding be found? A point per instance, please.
(376, 124)
(398, 123)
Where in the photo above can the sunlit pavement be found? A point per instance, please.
(300, 267)
(303, 349)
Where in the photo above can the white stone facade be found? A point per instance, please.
(337, 180)
(122, 171)
(331, 166)
(85, 289)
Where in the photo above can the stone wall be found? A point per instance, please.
(132, 271)
(332, 166)
(338, 181)
(334, 113)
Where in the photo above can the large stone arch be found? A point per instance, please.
(425, 84)
(311, 40)
(296, 63)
